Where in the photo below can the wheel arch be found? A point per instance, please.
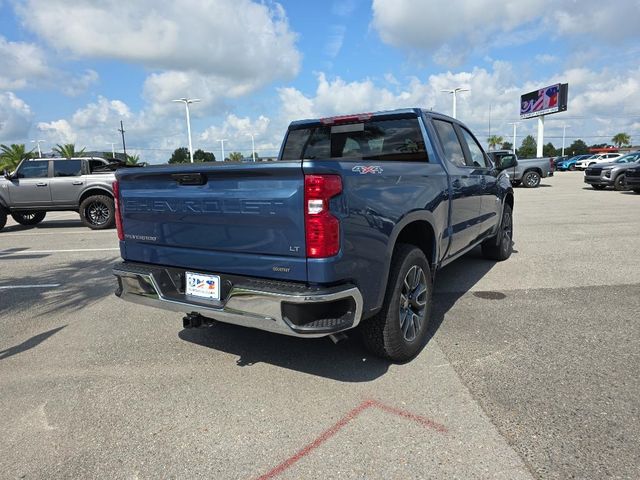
(94, 191)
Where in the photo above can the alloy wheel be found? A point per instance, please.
(413, 302)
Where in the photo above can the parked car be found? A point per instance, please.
(42, 185)
(597, 158)
(611, 174)
(632, 178)
(528, 172)
(345, 230)
(559, 159)
(570, 163)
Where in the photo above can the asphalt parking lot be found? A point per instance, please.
(532, 370)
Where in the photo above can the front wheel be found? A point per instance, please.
(500, 246)
(599, 187)
(3, 218)
(98, 212)
(28, 218)
(516, 183)
(636, 190)
(531, 179)
(618, 183)
(572, 167)
(399, 331)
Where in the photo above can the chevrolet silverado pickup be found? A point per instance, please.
(346, 229)
(42, 185)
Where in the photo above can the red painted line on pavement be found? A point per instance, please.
(340, 424)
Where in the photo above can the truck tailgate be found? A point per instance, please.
(244, 219)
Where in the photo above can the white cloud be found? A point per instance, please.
(15, 118)
(21, 64)
(334, 41)
(235, 130)
(459, 26)
(239, 45)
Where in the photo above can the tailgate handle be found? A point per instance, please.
(190, 178)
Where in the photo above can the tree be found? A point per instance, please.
(68, 150)
(507, 146)
(528, 147)
(11, 156)
(133, 159)
(578, 147)
(494, 140)
(235, 157)
(180, 155)
(620, 139)
(548, 150)
(202, 156)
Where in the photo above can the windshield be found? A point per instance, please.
(632, 157)
(398, 139)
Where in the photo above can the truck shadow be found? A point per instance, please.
(346, 361)
(45, 225)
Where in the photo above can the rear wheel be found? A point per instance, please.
(572, 167)
(98, 212)
(500, 247)
(637, 190)
(599, 187)
(28, 218)
(618, 183)
(3, 218)
(531, 179)
(399, 331)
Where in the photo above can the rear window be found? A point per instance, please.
(396, 139)
(67, 168)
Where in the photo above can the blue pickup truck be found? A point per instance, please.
(346, 229)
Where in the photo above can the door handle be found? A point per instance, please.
(41, 184)
(77, 183)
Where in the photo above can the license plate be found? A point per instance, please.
(203, 286)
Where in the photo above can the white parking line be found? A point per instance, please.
(12, 251)
(48, 285)
(54, 233)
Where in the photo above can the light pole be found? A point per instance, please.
(564, 129)
(113, 149)
(253, 146)
(515, 127)
(222, 147)
(186, 102)
(38, 142)
(454, 92)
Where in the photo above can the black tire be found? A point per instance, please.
(28, 218)
(98, 212)
(516, 183)
(383, 334)
(636, 190)
(3, 218)
(599, 187)
(572, 167)
(531, 179)
(500, 247)
(618, 183)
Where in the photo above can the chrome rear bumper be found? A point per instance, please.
(279, 307)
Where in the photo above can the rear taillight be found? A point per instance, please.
(322, 229)
(116, 201)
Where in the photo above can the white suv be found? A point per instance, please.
(597, 158)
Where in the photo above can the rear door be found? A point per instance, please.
(467, 188)
(67, 181)
(30, 185)
(244, 219)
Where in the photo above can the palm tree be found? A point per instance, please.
(494, 140)
(133, 159)
(68, 150)
(620, 139)
(11, 156)
(235, 157)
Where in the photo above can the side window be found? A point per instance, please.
(67, 168)
(477, 155)
(450, 142)
(34, 169)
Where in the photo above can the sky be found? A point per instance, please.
(71, 70)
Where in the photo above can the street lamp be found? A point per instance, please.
(253, 146)
(454, 92)
(186, 102)
(564, 129)
(222, 146)
(38, 142)
(515, 127)
(113, 149)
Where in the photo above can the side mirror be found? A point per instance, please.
(6, 174)
(507, 161)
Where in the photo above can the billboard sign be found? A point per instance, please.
(551, 99)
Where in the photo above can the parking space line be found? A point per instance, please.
(34, 234)
(343, 422)
(46, 285)
(9, 252)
